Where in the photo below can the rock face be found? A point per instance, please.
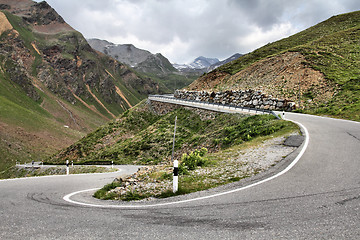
(247, 98)
(139, 59)
(125, 53)
(43, 51)
(154, 66)
(50, 77)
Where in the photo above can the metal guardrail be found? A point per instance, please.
(229, 106)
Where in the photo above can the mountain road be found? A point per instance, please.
(318, 198)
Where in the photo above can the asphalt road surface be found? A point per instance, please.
(318, 198)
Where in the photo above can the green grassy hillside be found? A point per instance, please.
(142, 137)
(54, 88)
(27, 131)
(330, 47)
(345, 24)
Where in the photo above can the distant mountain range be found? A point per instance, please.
(146, 62)
(220, 63)
(156, 66)
(204, 65)
(200, 63)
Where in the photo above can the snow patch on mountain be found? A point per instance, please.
(205, 64)
(199, 63)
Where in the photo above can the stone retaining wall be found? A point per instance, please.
(247, 98)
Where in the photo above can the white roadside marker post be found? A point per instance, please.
(112, 164)
(175, 177)
(67, 167)
(176, 169)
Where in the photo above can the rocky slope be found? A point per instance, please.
(125, 53)
(54, 87)
(317, 68)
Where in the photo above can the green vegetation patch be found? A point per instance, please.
(140, 136)
(199, 170)
(335, 25)
(338, 57)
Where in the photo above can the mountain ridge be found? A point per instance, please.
(316, 68)
(204, 64)
(54, 88)
(125, 53)
(200, 63)
(149, 65)
(227, 60)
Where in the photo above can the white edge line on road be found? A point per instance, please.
(292, 164)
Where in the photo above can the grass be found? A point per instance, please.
(334, 25)
(223, 167)
(36, 111)
(339, 63)
(150, 138)
(142, 137)
(19, 113)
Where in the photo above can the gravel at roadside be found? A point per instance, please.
(233, 165)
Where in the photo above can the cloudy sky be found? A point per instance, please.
(184, 29)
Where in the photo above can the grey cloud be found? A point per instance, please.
(263, 13)
(205, 27)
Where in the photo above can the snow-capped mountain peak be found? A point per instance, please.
(198, 63)
(204, 64)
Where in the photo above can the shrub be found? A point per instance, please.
(133, 196)
(190, 161)
(103, 192)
